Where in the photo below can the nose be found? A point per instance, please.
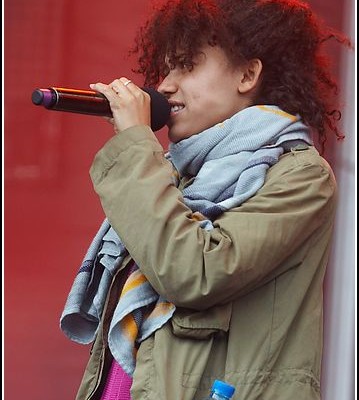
(169, 85)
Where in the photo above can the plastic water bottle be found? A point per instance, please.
(221, 391)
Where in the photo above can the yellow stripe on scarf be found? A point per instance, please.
(160, 308)
(279, 112)
(130, 327)
(133, 282)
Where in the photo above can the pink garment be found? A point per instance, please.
(118, 384)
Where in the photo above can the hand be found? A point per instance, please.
(129, 104)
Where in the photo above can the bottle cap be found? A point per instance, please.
(223, 388)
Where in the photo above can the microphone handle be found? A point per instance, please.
(73, 100)
(95, 103)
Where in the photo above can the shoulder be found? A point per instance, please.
(301, 181)
(302, 162)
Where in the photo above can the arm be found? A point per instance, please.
(187, 265)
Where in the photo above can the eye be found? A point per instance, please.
(185, 65)
(182, 64)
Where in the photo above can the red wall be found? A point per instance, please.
(51, 211)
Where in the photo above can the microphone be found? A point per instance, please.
(94, 103)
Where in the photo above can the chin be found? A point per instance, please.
(175, 137)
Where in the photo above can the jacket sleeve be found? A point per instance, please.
(192, 267)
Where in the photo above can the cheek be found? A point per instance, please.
(198, 95)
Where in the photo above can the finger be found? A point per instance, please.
(116, 85)
(127, 83)
(109, 120)
(106, 90)
(125, 86)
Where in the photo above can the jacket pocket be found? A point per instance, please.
(188, 323)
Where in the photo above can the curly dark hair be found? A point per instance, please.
(284, 34)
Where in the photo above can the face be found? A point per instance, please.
(202, 96)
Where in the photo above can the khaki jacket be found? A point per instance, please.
(248, 293)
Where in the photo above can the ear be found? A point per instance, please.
(250, 75)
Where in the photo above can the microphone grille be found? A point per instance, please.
(160, 109)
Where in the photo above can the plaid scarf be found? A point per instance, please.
(229, 162)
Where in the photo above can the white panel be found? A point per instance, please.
(338, 369)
